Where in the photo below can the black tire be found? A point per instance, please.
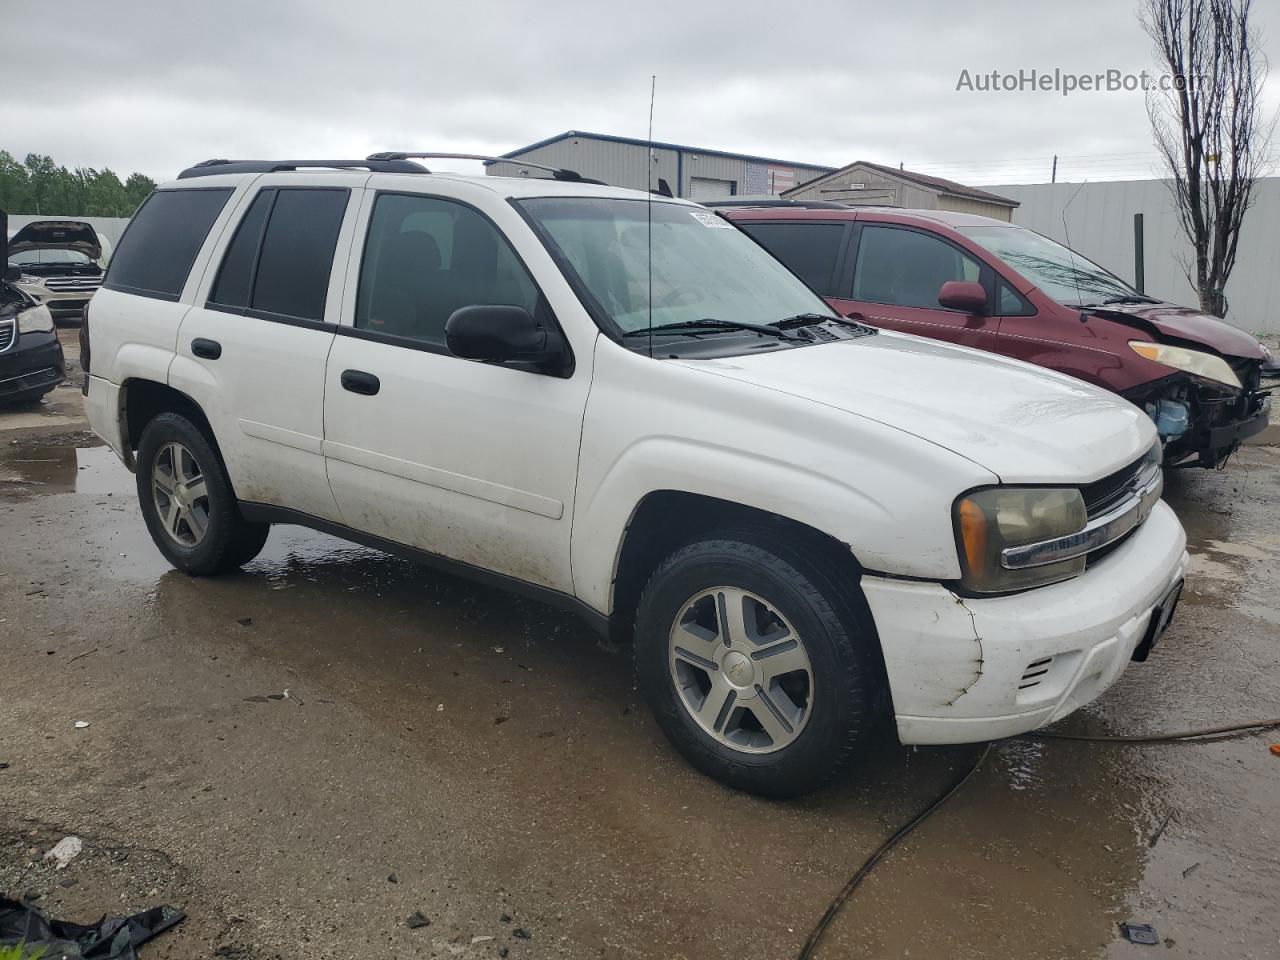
(838, 636)
(228, 540)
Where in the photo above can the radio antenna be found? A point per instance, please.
(648, 189)
(1066, 234)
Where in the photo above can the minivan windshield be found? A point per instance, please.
(1057, 270)
(703, 268)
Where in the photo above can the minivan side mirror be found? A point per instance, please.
(963, 295)
(12, 274)
(504, 334)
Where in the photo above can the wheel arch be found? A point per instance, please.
(142, 400)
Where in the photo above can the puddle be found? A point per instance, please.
(75, 463)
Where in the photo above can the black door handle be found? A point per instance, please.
(357, 381)
(209, 349)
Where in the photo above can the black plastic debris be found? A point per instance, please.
(1139, 933)
(520, 933)
(416, 920)
(111, 938)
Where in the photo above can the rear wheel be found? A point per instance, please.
(188, 503)
(758, 667)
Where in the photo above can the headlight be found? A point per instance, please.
(26, 279)
(988, 521)
(1195, 362)
(35, 320)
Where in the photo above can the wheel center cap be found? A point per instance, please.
(737, 667)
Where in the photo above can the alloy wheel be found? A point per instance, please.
(741, 670)
(180, 494)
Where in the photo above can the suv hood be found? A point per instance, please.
(1023, 423)
(1183, 323)
(57, 235)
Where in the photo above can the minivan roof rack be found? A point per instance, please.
(557, 173)
(213, 168)
(780, 202)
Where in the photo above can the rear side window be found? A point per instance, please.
(809, 249)
(279, 260)
(157, 250)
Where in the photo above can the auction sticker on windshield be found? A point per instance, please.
(709, 219)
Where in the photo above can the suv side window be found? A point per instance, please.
(162, 240)
(278, 263)
(809, 249)
(907, 268)
(425, 257)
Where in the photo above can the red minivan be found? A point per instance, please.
(994, 286)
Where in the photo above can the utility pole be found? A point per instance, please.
(1053, 178)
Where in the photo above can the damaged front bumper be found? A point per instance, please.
(966, 670)
(1201, 425)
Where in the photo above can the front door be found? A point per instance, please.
(898, 272)
(472, 461)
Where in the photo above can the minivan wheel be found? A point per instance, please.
(757, 665)
(188, 503)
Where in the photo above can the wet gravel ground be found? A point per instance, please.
(448, 749)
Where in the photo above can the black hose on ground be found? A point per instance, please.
(1159, 737)
(869, 864)
(806, 952)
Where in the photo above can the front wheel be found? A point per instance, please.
(758, 667)
(188, 503)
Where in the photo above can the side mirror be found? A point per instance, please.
(502, 334)
(963, 295)
(12, 274)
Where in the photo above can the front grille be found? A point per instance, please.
(70, 284)
(8, 333)
(65, 306)
(1101, 495)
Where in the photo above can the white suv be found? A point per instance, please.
(622, 404)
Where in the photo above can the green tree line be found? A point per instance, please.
(39, 187)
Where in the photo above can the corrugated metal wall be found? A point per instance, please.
(1100, 223)
(623, 164)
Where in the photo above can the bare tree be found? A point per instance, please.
(1207, 117)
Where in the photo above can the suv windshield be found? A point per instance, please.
(1057, 270)
(703, 268)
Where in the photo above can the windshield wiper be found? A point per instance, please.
(1129, 298)
(711, 323)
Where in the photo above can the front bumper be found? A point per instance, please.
(63, 304)
(33, 365)
(966, 670)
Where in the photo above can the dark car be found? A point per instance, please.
(31, 361)
(994, 286)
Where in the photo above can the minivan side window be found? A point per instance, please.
(907, 268)
(278, 262)
(425, 257)
(809, 249)
(162, 240)
(1010, 303)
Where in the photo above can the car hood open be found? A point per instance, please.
(57, 235)
(1023, 423)
(1183, 323)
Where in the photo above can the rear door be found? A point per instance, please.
(252, 350)
(894, 275)
(472, 461)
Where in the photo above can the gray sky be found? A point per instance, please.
(137, 86)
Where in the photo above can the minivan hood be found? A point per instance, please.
(1183, 323)
(1023, 423)
(57, 235)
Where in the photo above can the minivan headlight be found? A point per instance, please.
(35, 320)
(1195, 362)
(987, 521)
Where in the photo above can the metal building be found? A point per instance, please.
(692, 172)
(871, 184)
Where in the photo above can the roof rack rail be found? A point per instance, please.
(779, 202)
(213, 168)
(557, 173)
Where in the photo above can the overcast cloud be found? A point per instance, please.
(156, 87)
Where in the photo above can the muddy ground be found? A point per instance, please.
(449, 749)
